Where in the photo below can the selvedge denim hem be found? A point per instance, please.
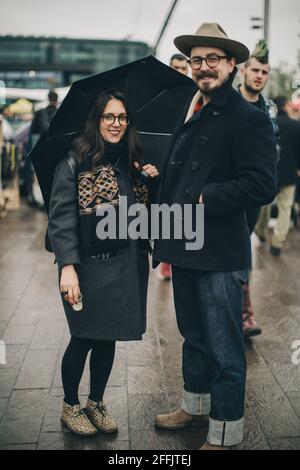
(196, 404)
(225, 433)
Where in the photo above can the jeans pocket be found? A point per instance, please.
(241, 276)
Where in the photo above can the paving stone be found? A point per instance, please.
(273, 410)
(37, 370)
(254, 437)
(287, 443)
(3, 326)
(105, 443)
(48, 335)
(15, 354)
(287, 375)
(143, 352)
(151, 440)
(22, 420)
(145, 379)
(28, 316)
(18, 334)
(144, 407)
(8, 308)
(294, 398)
(19, 447)
(63, 440)
(8, 377)
(3, 405)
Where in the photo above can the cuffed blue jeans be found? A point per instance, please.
(209, 316)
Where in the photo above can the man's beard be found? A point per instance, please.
(206, 88)
(251, 90)
(208, 91)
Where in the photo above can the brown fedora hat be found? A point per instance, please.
(212, 34)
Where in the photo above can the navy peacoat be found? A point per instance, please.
(226, 152)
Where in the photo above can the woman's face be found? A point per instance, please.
(111, 131)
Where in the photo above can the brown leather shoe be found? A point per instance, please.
(208, 446)
(180, 419)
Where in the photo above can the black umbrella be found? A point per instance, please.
(157, 94)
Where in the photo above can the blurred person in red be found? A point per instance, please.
(177, 62)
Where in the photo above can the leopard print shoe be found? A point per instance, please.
(99, 416)
(75, 419)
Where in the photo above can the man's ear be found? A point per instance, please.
(243, 71)
(232, 63)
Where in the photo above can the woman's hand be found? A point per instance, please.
(69, 284)
(151, 170)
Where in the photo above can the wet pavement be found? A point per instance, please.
(146, 377)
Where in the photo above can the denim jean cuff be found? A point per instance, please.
(225, 433)
(196, 403)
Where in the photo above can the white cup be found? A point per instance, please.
(79, 306)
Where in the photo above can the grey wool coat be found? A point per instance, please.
(114, 290)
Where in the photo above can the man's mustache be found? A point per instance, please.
(201, 75)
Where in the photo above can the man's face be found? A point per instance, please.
(180, 65)
(209, 79)
(256, 76)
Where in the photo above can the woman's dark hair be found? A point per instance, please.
(90, 143)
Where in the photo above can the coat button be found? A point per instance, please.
(187, 192)
(217, 112)
(203, 140)
(195, 166)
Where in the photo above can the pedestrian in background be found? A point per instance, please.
(39, 126)
(255, 74)
(288, 170)
(179, 62)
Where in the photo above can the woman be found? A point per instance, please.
(107, 277)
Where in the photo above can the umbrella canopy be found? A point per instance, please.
(156, 93)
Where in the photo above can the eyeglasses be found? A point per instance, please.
(110, 119)
(212, 61)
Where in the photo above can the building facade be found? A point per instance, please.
(44, 62)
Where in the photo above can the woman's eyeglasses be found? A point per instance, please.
(110, 119)
(212, 61)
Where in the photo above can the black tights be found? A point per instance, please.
(72, 367)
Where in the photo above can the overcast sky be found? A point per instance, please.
(143, 19)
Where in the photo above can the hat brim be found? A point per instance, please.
(187, 42)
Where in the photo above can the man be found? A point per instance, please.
(178, 62)
(39, 126)
(255, 74)
(288, 168)
(43, 116)
(222, 155)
